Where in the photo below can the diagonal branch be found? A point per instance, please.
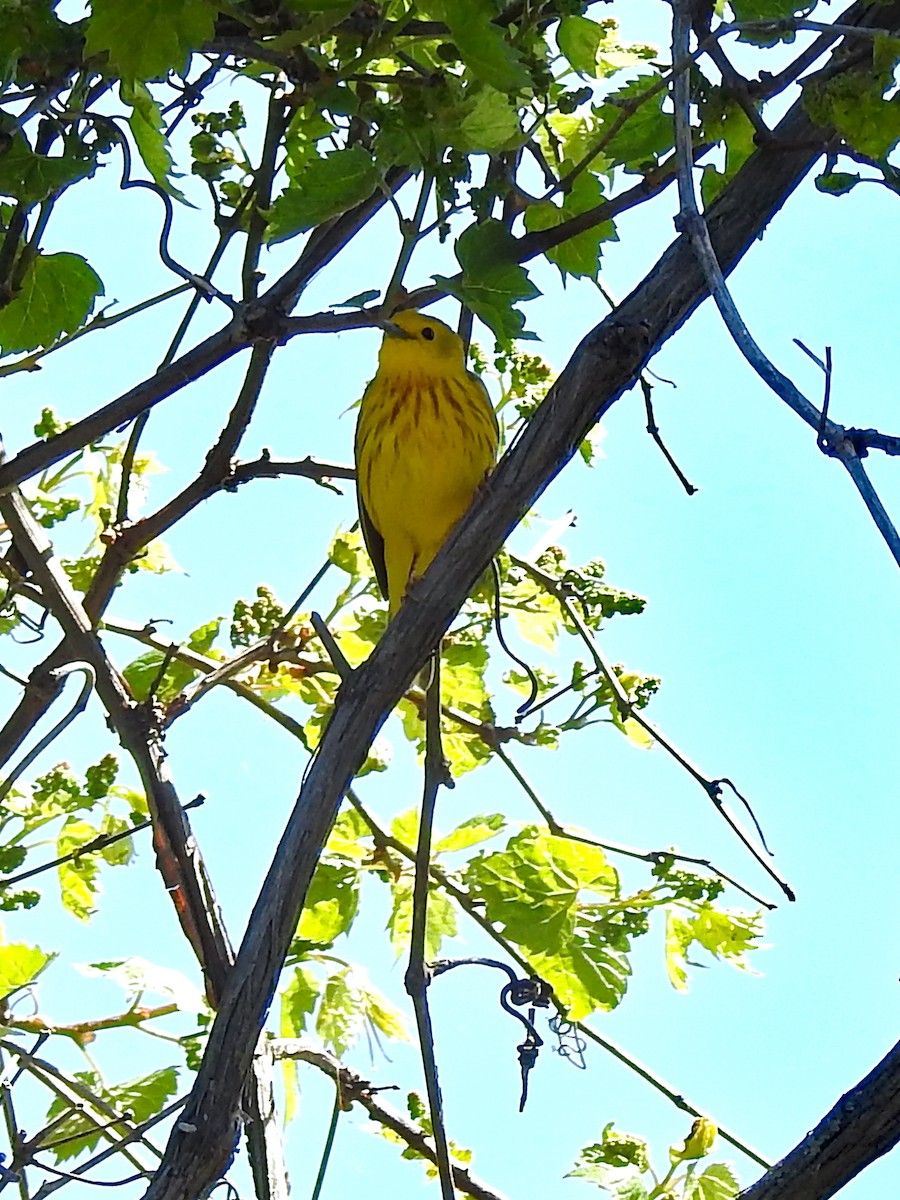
(862, 1126)
(354, 1089)
(607, 363)
(832, 438)
(177, 853)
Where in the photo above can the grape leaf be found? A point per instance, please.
(56, 297)
(324, 188)
(32, 177)
(20, 965)
(146, 39)
(492, 282)
(482, 44)
(146, 125)
(718, 1182)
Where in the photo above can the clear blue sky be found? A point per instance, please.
(772, 620)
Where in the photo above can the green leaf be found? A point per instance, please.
(854, 105)
(441, 918)
(144, 672)
(551, 871)
(20, 965)
(340, 1019)
(728, 934)
(579, 39)
(120, 853)
(718, 1182)
(470, 833)
(298, 1001)
(584, 972)
(491, 122)
(386, 1017)
(350, 837)
(78, 878)
(766, 10)
(32, 177)
(145, 39)
(492, 283)
(136, 976)
(331, 904)
(647, 134)
(100, 777)
(571, 942)
(837, 183)
(578, 256)
(142, 1098)
(615, 1163)
(31, 37)
(678, 938)
(324, 188)
(482, 45)
(152, 144)
(56, 297)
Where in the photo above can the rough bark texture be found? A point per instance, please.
(863, 1125)
(607, 363)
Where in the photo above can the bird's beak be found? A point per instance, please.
(393, 330)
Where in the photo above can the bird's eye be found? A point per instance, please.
(428, 333)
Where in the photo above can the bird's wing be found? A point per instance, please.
(374, 544)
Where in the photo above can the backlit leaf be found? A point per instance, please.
(145, 39)
(56, 297)
(323, 188)
(146, 124)
(482, 44)
(20, 965)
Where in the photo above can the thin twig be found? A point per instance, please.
(78, 707)
(654, 857)
(94, 846)
(692, 224)
(329, 1141)
(417, 973)
(136, 1134)
(332, 649)
(353, 1089)
(14, 1134)
(409, 232)
(653, 430)
(99, 1112)
(712, 787)
(275, 127)
(386, 840)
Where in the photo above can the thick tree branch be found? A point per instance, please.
(863, 1125)
(607, 362)
(177, 853)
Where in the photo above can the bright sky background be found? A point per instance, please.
(772, 621)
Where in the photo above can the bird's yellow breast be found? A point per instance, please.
(424, 443)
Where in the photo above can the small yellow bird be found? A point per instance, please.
(426, 438)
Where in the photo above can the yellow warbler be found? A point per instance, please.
(425, 439)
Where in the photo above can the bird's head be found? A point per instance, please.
(414, 342)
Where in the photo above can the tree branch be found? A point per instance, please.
(862, 1126)
(354, 1089)
(607, 362)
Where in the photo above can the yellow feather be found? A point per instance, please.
(426, 438)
